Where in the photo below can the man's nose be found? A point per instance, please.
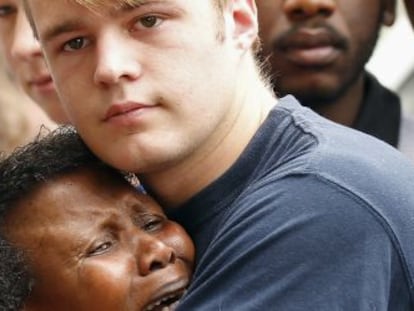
(304, 9)
(152, 255)
(117, 59)
(24, 45)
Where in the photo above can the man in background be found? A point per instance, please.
(24, 62)
(318, 49)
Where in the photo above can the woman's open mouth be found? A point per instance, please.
(168, 302)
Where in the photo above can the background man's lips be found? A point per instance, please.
(312, 57)
(308, 37)
(308, 41)
(41, 81)
(42, 85)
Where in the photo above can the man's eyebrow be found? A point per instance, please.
(133, 4)
(61, 28)
(74, 24)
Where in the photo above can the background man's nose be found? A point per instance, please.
(303, 9)
(25, 45)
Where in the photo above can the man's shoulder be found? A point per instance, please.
(340, 166)
(303, 224)
(330, 147)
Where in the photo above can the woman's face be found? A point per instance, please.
(94, 243)
(24, 59)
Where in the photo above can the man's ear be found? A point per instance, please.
(244, 19)
(388, 14)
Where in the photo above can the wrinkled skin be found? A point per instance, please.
(94, 243)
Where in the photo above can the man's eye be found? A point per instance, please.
(149, 21)
(6, 10)
(100, 248)
(75, 44)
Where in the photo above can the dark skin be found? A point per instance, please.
(94, 243)
(317, 50)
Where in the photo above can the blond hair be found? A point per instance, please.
(98, 3)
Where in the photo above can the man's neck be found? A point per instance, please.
(175, 185)
(345, 109)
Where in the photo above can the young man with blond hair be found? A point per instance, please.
(288, 210)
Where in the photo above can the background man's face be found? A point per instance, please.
(317, 48)
(24, 58)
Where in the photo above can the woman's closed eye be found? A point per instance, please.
(100, 248)
(149, 222)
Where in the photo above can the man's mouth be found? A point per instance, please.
(168, 302)
(311, 46)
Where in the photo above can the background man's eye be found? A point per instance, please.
(6, 10)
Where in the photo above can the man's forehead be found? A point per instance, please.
(104, 4)
(94, 5)
(50, 19)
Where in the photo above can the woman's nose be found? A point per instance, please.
(153, 255)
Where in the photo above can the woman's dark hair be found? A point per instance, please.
(51, 154)
(15, 280)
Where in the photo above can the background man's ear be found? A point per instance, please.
(388, 16)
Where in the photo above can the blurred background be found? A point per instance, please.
(393, 60)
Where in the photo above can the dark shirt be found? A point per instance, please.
(312, 216)
(380, 113)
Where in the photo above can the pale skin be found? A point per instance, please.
(24, 60)
(177, 100)
(20, 117)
